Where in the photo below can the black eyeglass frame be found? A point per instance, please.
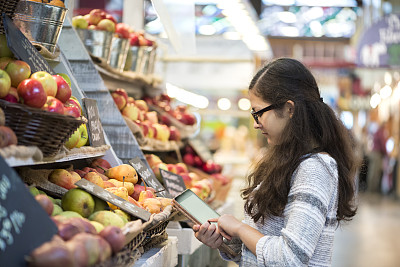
(259, 113)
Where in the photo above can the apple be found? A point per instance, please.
(84, 136)
(80, 22)
(181, 167)
(45, 202)
(156, 170)
(186, 179)
(101, 165)
(142, 105)
(172, 168)
(31, 93)
(189, 118)
(106, 25)
(144, 127)
(152, 159)
(181, 108)
(53, 105)
(63, 89)
(72, 109)
(73, 139)
(111, 17)
(189, 150)
(92, 27)
(188, 159)
(123, 30)
(142, 115)
(152, 116)
(163, 132)
(66, 78)
(209, 167)
(119, 100)
(131, 100)
(74, 101)
(136, 191)
(122, 92)
(224, 180)
(142, 40)
(12, 95)
(134, 39)
(114, 236)
(164, 119)
(18, 71)
(4, 61)
(153, 133)
(197, 161)
(5, 83)
(47, 81)
(4, 49)
(174, 133)
(95, 16)
(131, 111)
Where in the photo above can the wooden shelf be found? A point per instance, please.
(63, 156)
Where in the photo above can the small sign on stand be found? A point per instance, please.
(95, 129)
(24, 224)
(173, 182)
(148, 176)
(200, 148)
(23, 49)
(121, 203)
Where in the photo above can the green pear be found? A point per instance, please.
(70, 214)
(78, 200)
(56, 210)
(106, 218)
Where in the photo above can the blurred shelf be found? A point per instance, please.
(63, 156)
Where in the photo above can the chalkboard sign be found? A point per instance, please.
(201, 150)
(24, 224)
(23, 49)
(173, 182)
(95, 129)
(148, 176)
(121, 203)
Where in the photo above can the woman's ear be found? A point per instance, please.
(290, 108)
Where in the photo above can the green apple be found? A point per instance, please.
(47, 81)
(84, 136)
(66, 78)
(73, 140)
(80, 22)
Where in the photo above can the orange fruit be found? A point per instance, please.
(57, 3)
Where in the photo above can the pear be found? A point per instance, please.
(123, 173)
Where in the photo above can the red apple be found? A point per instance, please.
(5, 83)
(209, 167)
(189, 118)
(111, 17)
(4, 61)
(136, 191)
(188, 159)
(174, 133)
(122, 30)
(186, 179)
(53, 105)
(100, 165)
(142, 105)
(134, 39)
(95, 16)
(74, 101)
(122, 92)
(12, 96)
(18, 71)
(71, 110)
(164, 119)
(197, 161)
(31, 93)
(47, 81)
(106, 25)
(172, 168)
(144, 127)
(119, 100)
(181, 167)
(181, 108)
(114, 236)
(63, 89)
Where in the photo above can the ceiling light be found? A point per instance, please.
(375, 100)
(244, 104)
(224, 104)
(187, 97)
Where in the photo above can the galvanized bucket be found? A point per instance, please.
(40, 23)
(98, 43)
(147, 55)
(118, 54)
(132, 59)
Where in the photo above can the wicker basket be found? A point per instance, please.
(8, 7)
(46, 130)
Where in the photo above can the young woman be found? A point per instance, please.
(304, 185)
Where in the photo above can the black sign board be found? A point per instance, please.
(201, 150)
(148, 176)
(95, 129)
(24, 224)
(173, 182)
(23, 49)
(121, 203)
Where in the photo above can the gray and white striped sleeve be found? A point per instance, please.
(314, 184)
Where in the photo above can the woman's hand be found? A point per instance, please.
(208, 234)
(229, 225)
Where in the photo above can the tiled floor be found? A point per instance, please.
(371, 239)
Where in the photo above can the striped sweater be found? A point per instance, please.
(303, 235)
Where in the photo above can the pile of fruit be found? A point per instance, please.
(180, 112)
(7, 135)
(121, 180)
(138, 112)
(199, 185)
(51, 2)
(98, 19)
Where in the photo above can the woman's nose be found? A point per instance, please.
(256, 125)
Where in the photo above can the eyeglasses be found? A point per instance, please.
(257, 114)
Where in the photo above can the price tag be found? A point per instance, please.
(23, 48)
(173, 182)
(24, 224)
(95, 129)
(121, 203)
(148, 176)
(201, 150)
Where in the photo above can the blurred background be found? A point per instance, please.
(209, 50)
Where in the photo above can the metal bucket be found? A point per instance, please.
(98, 43)
(118, 54)
(40, 23)
(147, 56)
(132, 59)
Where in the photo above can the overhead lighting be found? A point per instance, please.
(244, 104)
(186, 97)
(385, 92)
(375, 100)
(287, 17)
(388, 78)
(224, 104)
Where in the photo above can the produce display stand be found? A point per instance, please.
(165, 254)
